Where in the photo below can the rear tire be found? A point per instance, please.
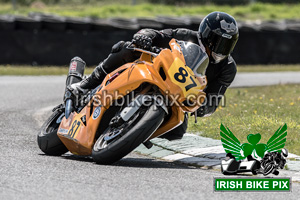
(140, 130)
(48, 139)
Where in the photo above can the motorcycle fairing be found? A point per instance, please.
(178, 80)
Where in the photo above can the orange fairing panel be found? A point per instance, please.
(78, 137)
(127, 81)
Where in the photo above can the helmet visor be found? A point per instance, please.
(224, 44)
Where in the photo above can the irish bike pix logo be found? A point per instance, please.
(255, 157)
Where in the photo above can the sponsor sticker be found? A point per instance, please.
(62, 130)
(97, 112)
(73, 66)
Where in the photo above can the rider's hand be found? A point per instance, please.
(142, 41)
(202, 112)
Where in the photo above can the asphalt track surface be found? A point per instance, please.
(265, 79)
(26, 173)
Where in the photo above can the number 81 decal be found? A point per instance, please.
(75, 126)
(181, 77)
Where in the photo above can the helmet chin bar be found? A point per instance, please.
(217, 57)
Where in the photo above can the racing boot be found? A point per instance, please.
(90, 82)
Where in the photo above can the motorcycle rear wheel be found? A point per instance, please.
(138, 129)
(47, 138)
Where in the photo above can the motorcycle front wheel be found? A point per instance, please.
(47, 138)
(117, 142)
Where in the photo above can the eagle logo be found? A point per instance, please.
(240, 151)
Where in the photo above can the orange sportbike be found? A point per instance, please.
(134, 104)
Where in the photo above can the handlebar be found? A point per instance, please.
(154, 51)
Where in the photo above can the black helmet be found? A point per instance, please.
(219, 33)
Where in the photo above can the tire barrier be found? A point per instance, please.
(42, 39)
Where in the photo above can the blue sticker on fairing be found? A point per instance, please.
(97, 112)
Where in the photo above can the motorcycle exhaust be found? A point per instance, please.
(75, 75)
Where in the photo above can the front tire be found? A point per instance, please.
(48, 139)
(140, 129)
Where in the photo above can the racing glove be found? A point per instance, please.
(142, 41)
(212, 103)
(203, 111)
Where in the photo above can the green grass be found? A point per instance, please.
(267, 68)
(54, 70)
(100, 10)
(256, 110)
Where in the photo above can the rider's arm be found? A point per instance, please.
(185, 35)
(162, 38)
(217, 86)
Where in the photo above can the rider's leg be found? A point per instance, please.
(119, 56)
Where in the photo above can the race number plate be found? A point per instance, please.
(184, 77)
(75, 127)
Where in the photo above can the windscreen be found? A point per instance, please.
(195, 57)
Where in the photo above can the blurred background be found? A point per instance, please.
(51, 32)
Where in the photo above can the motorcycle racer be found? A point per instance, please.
(218, 34)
